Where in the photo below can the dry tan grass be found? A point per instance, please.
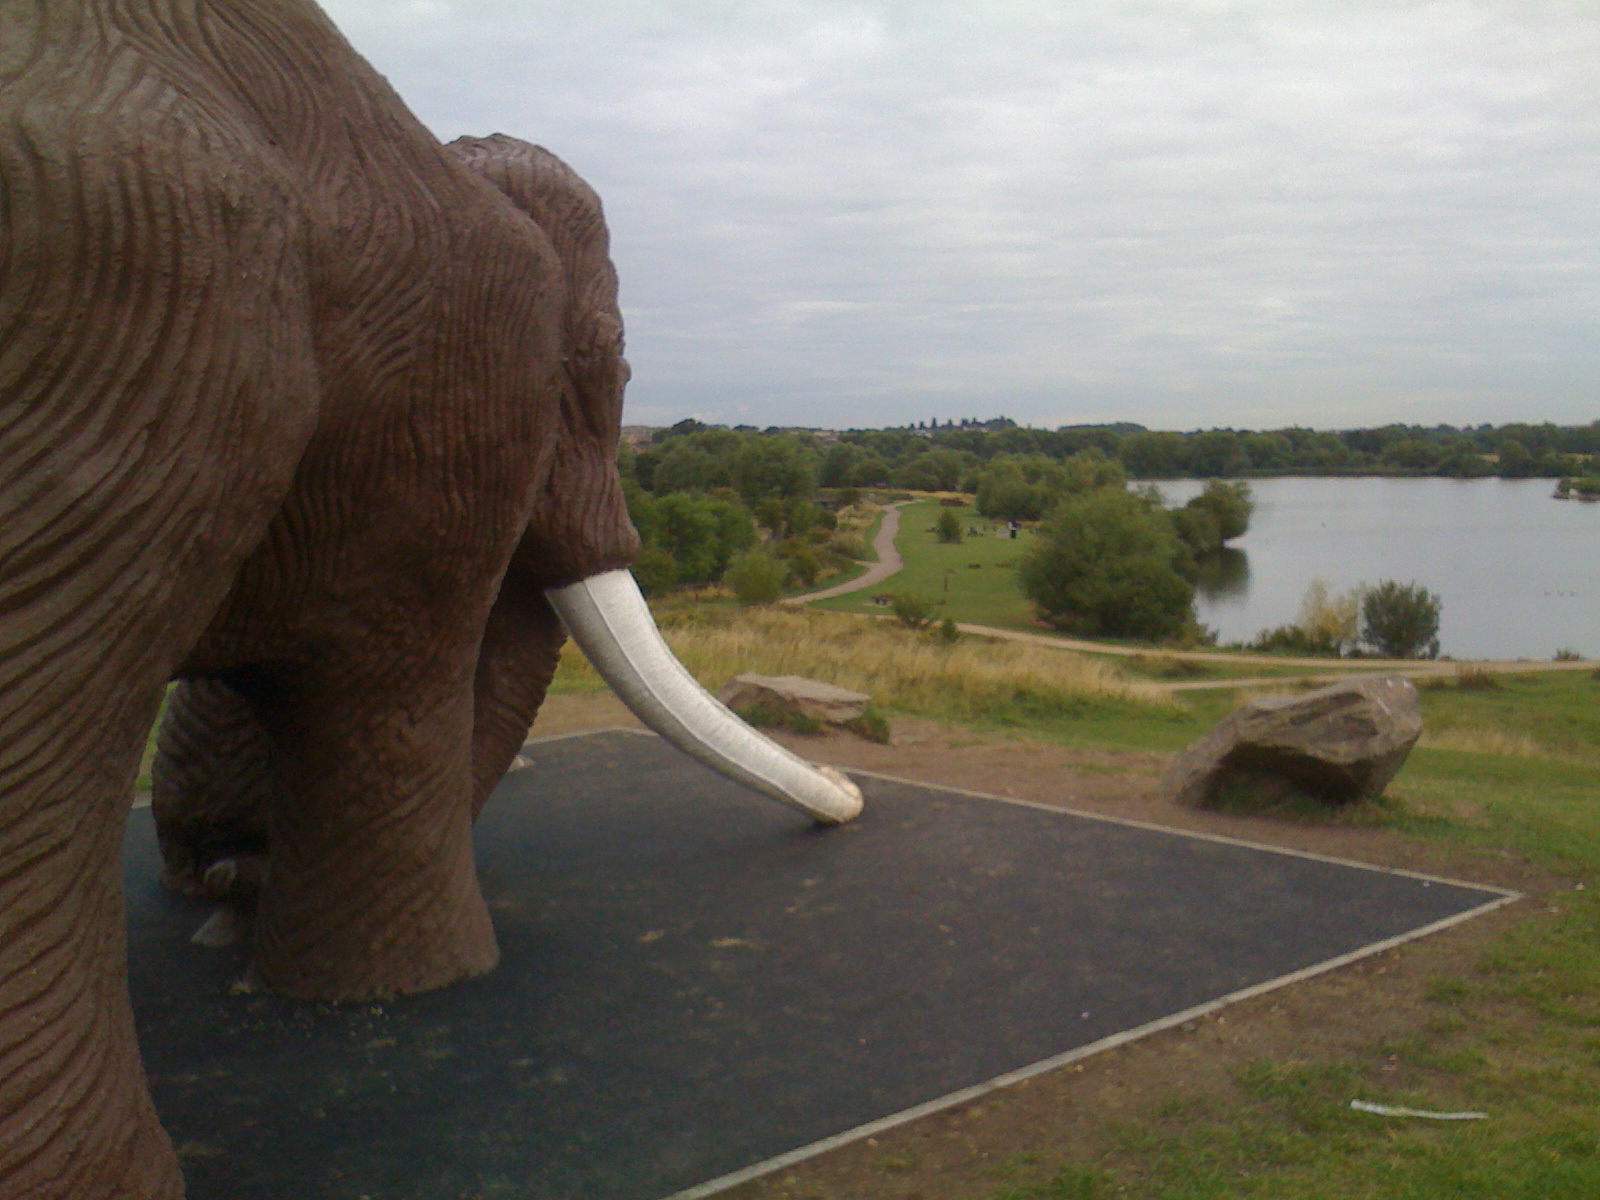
(1489, 741)
(907, 672)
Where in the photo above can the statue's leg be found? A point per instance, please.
(521, 649)
(210, 783)
(76, 1122)
(372, 889)
(156, 392)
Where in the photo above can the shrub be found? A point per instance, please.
(1166, 666)
(702, 533)
(756, 577)
(1476, 679)
(870, 726)
(654, 570)
(1217, 515)
(1198, 528)
(1230, 503)
(947, 634)
(912, 609)
(851, 545)
(1291, 639)
(1329, 617)
(1401, 620)
(1105, 562)
(948, 527)
(801, 560)
(1326, 624)
(776, 716)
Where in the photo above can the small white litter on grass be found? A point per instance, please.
(1389, 1110)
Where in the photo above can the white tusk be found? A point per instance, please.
(608, 618)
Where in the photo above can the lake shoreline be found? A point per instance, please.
(1518, 575)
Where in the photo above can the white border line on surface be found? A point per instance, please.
(1218, 838)
(928, 1108)
(1503, 897)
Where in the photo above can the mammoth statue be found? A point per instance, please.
(319, 417)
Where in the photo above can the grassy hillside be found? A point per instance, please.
(972, 579)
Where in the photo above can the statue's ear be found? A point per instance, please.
(580, 526)
(569, 215)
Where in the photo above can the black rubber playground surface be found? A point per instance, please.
(695, 980)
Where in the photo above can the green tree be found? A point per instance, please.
(948, 527)
(1108, 563)
(1214, 452)
(1153, 455)
(1413, 454)
(655, 571)
(932, 471)
(702, 533)
(1085, 471)
(839, 463)
(684, 466)
(1515, 459)
(871, 471)
(1401, 620)
(1220, 513)
(756, 577)
(1232, 505)
(1197, 528)
(775, 466)
(1004, 493)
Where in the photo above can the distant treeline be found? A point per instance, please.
(702, 495)
(936, 456)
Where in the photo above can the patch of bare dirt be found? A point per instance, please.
(1066, 1114)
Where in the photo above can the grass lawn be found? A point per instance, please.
(1554, 713)
(1517, 1035)
(971, 580)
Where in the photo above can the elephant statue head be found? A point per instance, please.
(319, 418)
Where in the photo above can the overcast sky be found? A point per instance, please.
(1184, 214)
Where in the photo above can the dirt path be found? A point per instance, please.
(963, 1152)
(1319, 670)
(888, 563)
(1328, 670)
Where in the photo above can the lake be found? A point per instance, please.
(1518, 572)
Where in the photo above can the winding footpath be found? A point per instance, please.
(888, 563)
(1317, 669)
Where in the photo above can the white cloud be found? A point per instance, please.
(1183, 214)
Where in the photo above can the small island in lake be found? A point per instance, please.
(1586, 488)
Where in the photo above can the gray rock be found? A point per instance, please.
(790, 693)
(1340, 743)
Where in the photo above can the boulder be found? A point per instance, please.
(790, 693)
(1340, 743)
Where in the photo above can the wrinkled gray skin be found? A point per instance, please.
(293, 399)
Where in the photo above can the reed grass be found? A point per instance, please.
(976, 679)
